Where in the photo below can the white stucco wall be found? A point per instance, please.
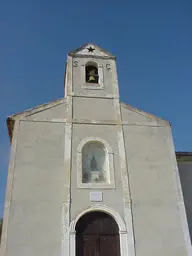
(43, 200)
(155, 202)
(34, 226)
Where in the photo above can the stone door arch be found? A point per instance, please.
(123, 235)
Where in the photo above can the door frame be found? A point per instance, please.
(123, 235)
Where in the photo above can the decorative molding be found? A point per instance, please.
(91, 56)
(101, 208)
(125, 181)
(65, 222)
(68, 77)
(66, 197)
(65, 212)
(91, 86)
(110, 156)
(95, 96)
(123, 233)
(98, 122)
(94, 139)
(115, 87)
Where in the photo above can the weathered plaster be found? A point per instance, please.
(98, 52)
(143, 202)
(56, 112)
(93, 94)
(81, 112)
(136, 116)
(8, 197)
(180, 202)
(125, 183)
(65, 214)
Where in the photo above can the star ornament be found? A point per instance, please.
(90, 49)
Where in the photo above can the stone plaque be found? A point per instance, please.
(96, 196)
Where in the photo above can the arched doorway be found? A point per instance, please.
(97, 234)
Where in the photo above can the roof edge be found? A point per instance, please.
(11, 119)
(141, 112)
(10, 127)
(73, 52)
(37, 109)
(183, 156)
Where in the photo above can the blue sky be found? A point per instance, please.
(151, 39)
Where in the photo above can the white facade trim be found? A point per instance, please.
(110, 163)
(123, 234)
(115, 86)
(96, 139)
(93, 86)
(125, 180)
(65, 211)
(94, 95)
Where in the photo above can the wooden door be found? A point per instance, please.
(97, 235)
(109, 245)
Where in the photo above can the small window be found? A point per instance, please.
(94, 164)
(91, 73)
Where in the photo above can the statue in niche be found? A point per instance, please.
(94, 163)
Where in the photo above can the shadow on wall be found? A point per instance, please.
(184, 161)
(1, 224)
(185, 172)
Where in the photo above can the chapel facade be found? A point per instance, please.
(92, 176)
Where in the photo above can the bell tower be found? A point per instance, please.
(93, 73)
(94, 155)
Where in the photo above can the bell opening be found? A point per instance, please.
(92, 74)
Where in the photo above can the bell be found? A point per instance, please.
(91, 78)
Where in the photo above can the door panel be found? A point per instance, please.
(90, 245)
(97, 235)
(109, 245)
(87, 246)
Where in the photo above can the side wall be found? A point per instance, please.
(155, 196)
(37, 192)
(185, 171)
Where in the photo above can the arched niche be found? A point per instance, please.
(91, 73)
(95, 167)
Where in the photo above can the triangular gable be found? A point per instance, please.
(36, 109)
(91, 50)
(136, 116)
(31, 114)
(53, 113)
